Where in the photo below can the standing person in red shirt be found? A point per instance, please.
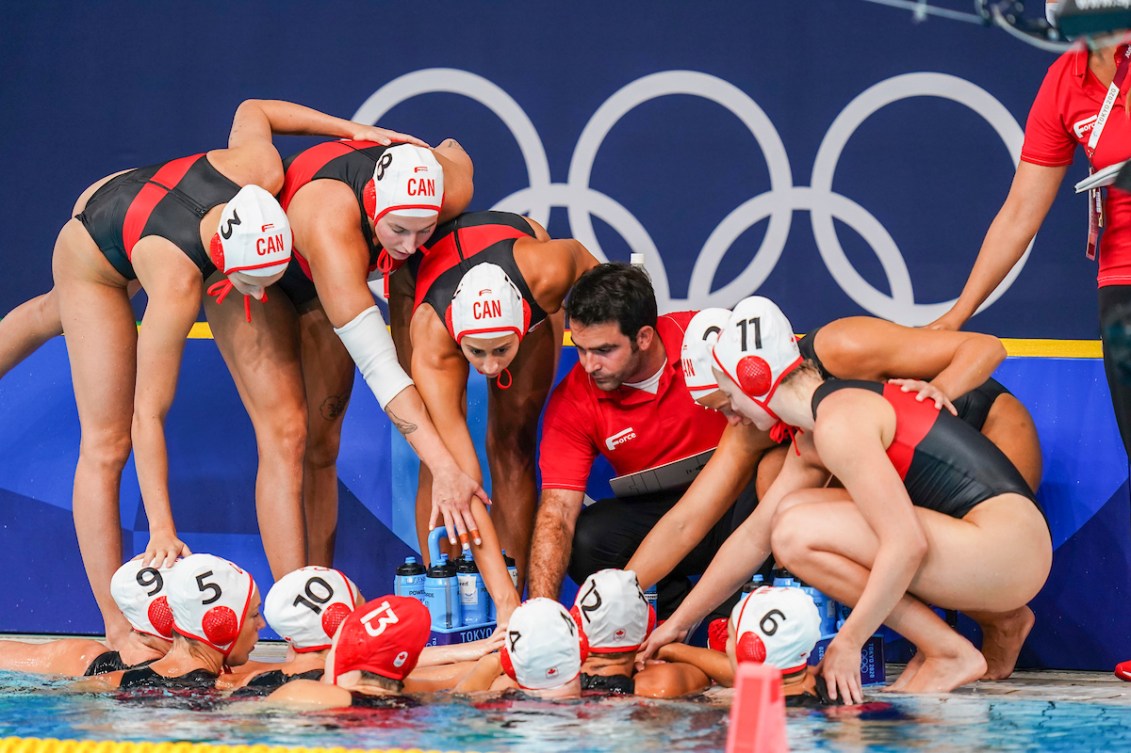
(626, 400)
(1067, 112)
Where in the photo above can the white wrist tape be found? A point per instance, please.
(368, 341)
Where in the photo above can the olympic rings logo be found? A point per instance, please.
(582, 202)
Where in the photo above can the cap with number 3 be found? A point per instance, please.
(210, 598)
(306, 606)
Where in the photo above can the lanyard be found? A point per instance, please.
(1095, 196)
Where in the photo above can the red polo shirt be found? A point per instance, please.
(635, 430)
(1062, 116)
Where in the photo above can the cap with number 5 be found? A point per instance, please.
(210, 598)
(776, 626)
(306, 606)
(139, 591)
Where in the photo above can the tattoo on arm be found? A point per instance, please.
(404, 427)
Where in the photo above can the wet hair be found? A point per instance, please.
(613, 292)
(372, 678)
(808, 366)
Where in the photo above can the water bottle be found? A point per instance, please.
(492, 615)
(472, 593)
(755, 583)
(826, 608)
(636, 259)
(652, 596)
(784, 579)
(410, 579)
(441, 595)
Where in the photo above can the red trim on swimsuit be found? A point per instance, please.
(150, 195)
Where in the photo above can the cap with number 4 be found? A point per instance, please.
(306, 606)
(210, 598)
(776, 626)
(139, 591)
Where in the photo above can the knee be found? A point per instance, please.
(109, 449)
(283, 435)
(322, 447)
(591, 543)
(788, 539)
(513, 445)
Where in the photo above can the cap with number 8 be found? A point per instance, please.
(210, 597)
(306, 606)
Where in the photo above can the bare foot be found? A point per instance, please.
(943, 673)
(909, 671)
(1002, 638)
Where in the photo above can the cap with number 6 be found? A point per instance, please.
(139, 591)
(776, 626)
(306, 606)
(210, 598)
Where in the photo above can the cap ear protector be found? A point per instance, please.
(505, 659)
(750, 647)
(332, 618)
(221, 625)
(161, 616)
(369, 199)
(216, 252)
(755, 377)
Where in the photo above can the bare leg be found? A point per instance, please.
(512, 436)
(27, 327)
(101, 345)
(327, 371)
(993, 560)
(263, 358)
(1003, 635)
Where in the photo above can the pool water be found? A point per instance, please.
(32, 707)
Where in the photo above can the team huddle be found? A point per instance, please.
(881, 465)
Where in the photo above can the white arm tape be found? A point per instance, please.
(369, 343)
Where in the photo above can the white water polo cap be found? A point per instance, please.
(407, 180)
(140, 592)
(487, 304)
(210, 598)
(698, 341)
(757, 349)
(253, 239)
(776, 626)
(544, 647)
(613, 612)
(306, 606)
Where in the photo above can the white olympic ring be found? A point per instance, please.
(783, 198)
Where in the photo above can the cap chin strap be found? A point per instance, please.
(220, 289)
(507, 384)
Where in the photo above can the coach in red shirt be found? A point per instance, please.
(626, 400)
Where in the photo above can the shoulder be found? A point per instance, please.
(311, 693)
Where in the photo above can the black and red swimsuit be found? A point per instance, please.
(457, 246)
(168, 200)
(946, 464)
(350, 162)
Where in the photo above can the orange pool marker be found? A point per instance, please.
(757, 715)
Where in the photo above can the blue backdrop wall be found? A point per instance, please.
(842, 159)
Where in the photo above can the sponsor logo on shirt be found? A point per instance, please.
(1081, 127)
(620, 438)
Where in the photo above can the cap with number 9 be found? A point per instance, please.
(210, 598)
(306, 606)
(139, 591)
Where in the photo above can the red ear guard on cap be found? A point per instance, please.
(221, 625)
(161, 616)
(505, 660)
(332, 617)
(750, 648)
(754, 375)
(216, 251)
(369, 199)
